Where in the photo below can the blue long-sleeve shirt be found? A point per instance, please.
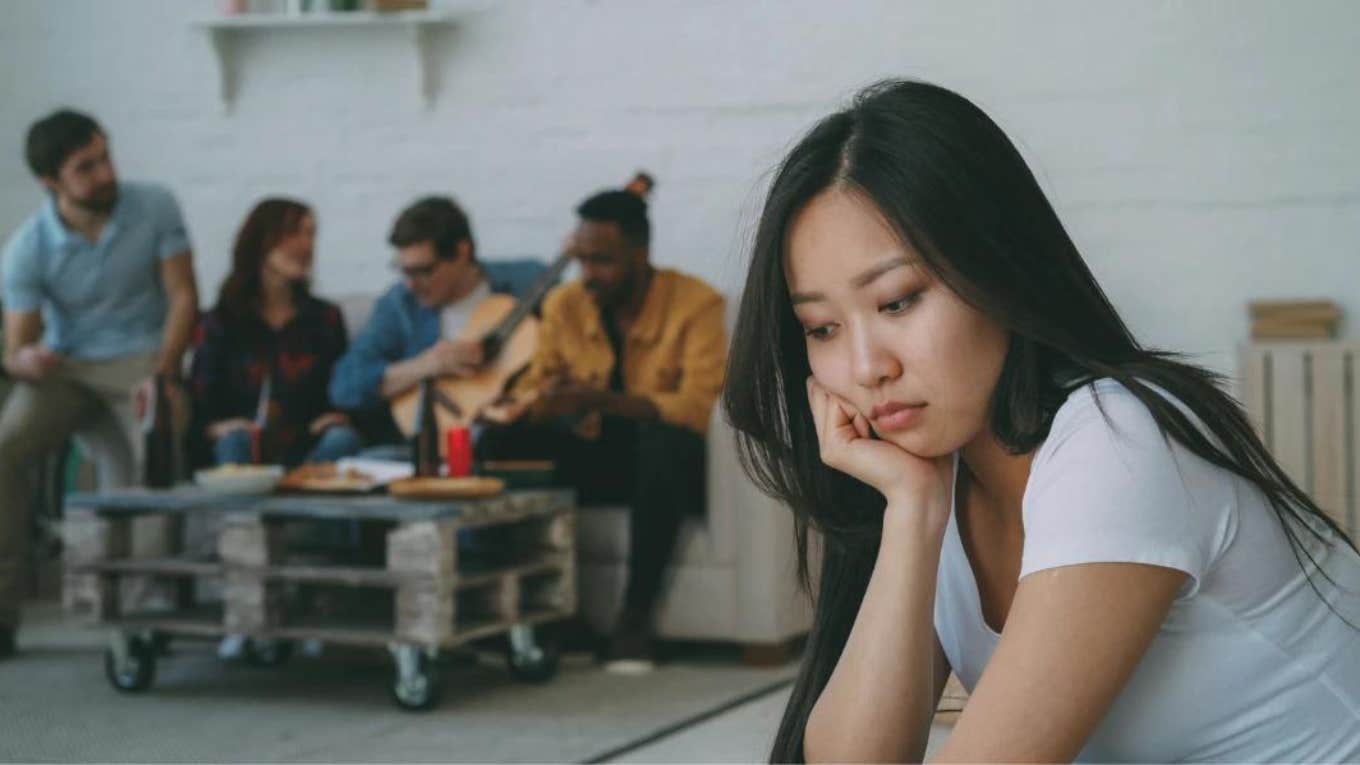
(400, 328)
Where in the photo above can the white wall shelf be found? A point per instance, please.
(223, 30)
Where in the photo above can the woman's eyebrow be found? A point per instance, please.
(863, 280)
(867, 278)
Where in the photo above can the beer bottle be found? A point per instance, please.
(159, 438)
(425, 442)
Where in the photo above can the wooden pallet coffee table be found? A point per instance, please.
(420, 600)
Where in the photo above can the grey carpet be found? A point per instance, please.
(56, 706)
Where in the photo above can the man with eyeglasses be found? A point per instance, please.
(411, 334)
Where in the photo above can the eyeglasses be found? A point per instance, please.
(416, 273)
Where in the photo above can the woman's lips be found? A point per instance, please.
(890, 417)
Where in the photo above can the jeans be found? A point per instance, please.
(335, 442)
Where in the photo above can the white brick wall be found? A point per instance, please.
(1201, 153)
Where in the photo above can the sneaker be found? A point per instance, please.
(232, 648)
(313, 648)
(631, 651)
(6, 642)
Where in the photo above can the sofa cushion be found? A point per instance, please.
(698, 602)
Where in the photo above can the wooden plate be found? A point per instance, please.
(467, 487)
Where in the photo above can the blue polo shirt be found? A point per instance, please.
(99, 300)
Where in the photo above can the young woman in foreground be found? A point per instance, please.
(1009, 486)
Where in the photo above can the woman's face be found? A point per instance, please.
(291, 258)
(884, 334)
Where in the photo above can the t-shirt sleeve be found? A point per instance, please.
(173, 236)
(22, 277)
(1117, 491)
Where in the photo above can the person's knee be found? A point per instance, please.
(518, 441)
(235, 447)
(343, 437)
(16, 448)
(670, 459)
(336, 442)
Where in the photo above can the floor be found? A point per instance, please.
(743, 734)
(700, 708)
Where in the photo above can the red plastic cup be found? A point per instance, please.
(458, 451)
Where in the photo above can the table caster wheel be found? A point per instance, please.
(130, 663)
(531, 659)
(266, 652)
(416, 686)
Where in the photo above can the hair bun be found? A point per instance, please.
(641, 184)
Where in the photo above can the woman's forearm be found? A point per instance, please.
(880, 699)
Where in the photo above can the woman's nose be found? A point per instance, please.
(873, 363)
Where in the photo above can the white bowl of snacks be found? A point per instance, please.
(239, 479)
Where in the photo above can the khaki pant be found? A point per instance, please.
(92, 401)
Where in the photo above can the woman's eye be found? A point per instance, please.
(901, 304)
(819, 333)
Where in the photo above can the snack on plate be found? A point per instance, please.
(327, 476)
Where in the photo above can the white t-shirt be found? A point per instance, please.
(1250, 664)
(454, 317)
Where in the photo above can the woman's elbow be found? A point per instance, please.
(826, 740)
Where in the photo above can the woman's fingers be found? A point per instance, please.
(840, 414)
(814, 405)
(839, 425)
(861, 425)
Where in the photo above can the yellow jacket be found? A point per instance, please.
(674, 354)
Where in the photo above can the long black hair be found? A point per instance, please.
(957, 191)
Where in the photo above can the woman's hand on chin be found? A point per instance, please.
(847, 444)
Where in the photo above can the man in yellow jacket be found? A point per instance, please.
(629, 364)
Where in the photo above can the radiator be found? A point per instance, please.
(1301, 398)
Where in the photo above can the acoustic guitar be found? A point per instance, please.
(508, 332)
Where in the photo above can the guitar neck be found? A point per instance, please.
(526, 303)
(641, 185)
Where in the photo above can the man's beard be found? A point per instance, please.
(612, 297)
(101, 201)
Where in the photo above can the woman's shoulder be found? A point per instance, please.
(212, 322)
(323, 310)
(319, 304)
(1105, 441)
(1106, 406)
(1109, 485)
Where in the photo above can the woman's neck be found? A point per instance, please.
(277, 300)
(996, 477)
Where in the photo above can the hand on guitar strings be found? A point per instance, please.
(456, 358)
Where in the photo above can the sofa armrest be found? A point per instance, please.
(771, 608)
